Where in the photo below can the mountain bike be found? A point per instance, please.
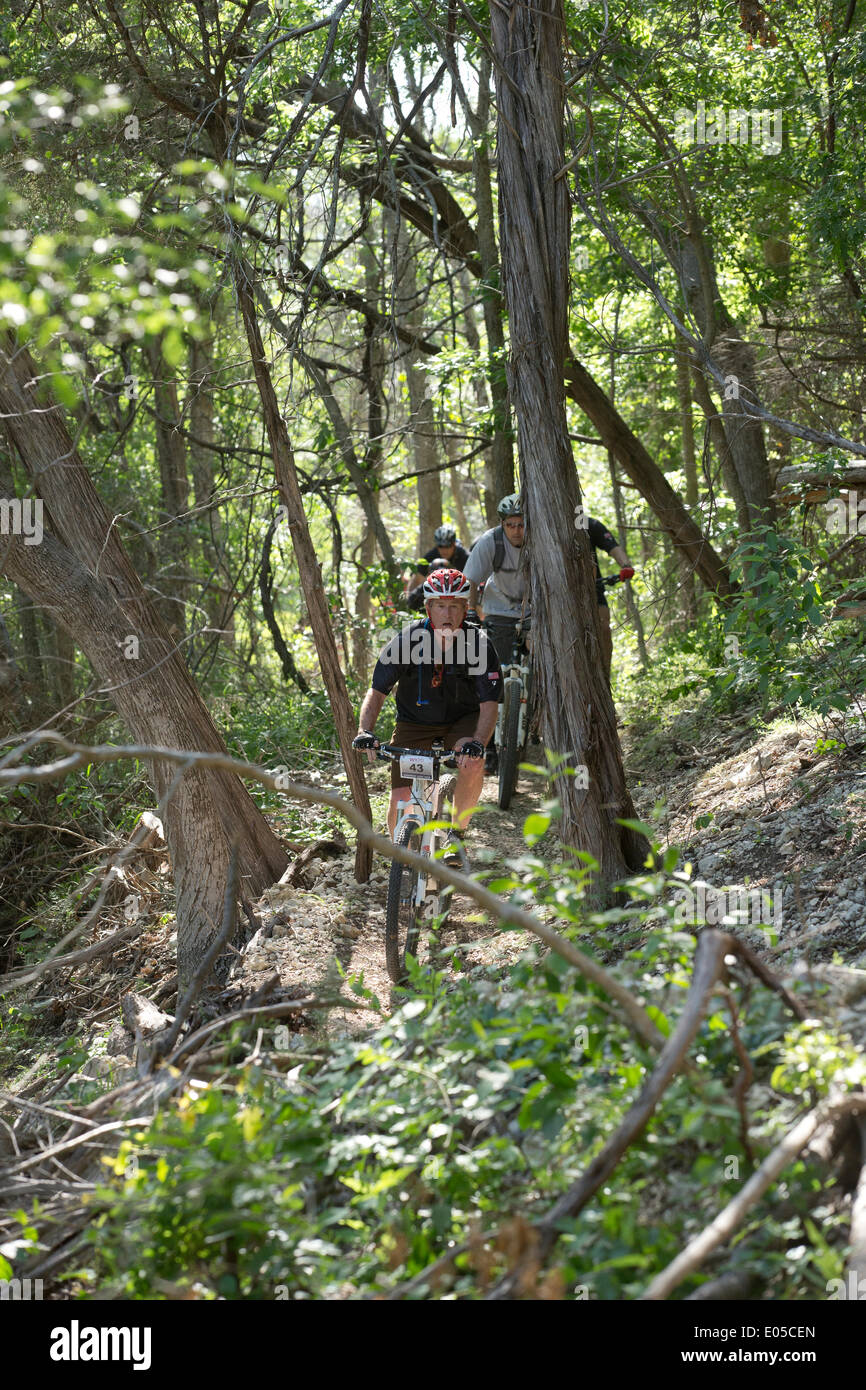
(516, 710)
(512, 724)
(415, 897)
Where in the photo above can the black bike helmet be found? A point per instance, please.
(445, 535)
(510, 505)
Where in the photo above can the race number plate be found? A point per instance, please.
(413, 766)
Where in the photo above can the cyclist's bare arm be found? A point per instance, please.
(620, 556)
(370, 711)
(487, 715)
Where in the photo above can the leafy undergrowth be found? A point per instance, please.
(456, 1123)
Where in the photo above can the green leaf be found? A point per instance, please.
(173, 349)
(659, 1019)
(535, 826)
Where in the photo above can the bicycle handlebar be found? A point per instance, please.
(390, 752)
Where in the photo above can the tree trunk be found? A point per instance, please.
(719, 440)
(218, 598)
(746, 434)
(736, 358)
(684, 391)
(81, 573)
(174, 482)
(501, 467)
(578, 718)
(266, 593)
(648, 478)
(309, 569)
(631, 607)
(422, 422)
(363, 611)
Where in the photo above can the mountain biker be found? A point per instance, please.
(447, 548)
(497, 553)
(414, 600)
(495, 563)
(448, 685)
(602, 539)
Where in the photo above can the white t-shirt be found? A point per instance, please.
(503, 593)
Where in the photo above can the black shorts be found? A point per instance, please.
(410, 735)
(501, 629)
(601, 594)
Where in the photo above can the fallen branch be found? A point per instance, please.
(78, 756)
(728, 1220)
(139, 836)
(709, 961)
(320, 849)
(766, 976)
(99, 948)
(733, 1286)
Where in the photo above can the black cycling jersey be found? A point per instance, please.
(438, 693)
(600, 539)
(457, 561)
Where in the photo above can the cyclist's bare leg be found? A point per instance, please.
(467, 793)
(606, 639)
(398, 794)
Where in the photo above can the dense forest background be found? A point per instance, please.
(281, 290)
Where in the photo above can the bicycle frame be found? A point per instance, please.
(421, 806)
(520, 666)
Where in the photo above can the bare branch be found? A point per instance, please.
(79, 756)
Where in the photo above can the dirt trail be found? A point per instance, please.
(750, 812)
(338, 925)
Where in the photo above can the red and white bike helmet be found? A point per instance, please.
(446, 584)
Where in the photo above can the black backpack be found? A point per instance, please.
(498, 549)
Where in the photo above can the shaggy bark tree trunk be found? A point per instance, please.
(217, 598)
(501, 462)
(82, 575)
(578, 717)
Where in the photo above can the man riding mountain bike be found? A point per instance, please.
(601, 539)
(447, 548)
(447, 682)
(497, 553)
(495, 563)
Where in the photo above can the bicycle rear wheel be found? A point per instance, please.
(509, 752)
(402, 923)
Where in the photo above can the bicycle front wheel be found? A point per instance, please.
(402, 922)
(509, 752)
